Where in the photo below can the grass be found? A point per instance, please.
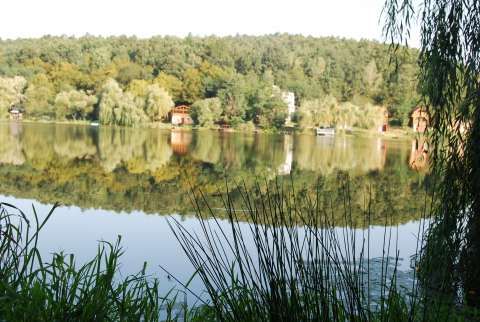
(289, 262)
(32, 289)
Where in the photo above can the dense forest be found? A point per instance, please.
(234, 80)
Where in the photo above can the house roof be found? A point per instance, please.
(183, 109)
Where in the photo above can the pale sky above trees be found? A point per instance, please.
(144, 18)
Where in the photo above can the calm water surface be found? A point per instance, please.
(128, 182)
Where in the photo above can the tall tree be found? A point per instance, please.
(449, 82)
(74, 105)
(40, 96)
(171, 84)
(11, 93)
(119, 108)
(207, 111)
(158, 102)
(192, 86)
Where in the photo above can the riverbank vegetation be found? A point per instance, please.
(230, 80)
(34, 288)
(299, 266)
(449, 83)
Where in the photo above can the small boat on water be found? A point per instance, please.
(325, 131)
(94, 124)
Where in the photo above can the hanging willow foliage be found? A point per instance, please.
(449, 83)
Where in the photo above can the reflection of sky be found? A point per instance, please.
(148, 238)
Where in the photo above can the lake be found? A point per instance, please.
(130, 182)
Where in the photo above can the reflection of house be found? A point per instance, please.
(419, 154)
(286, 167)
(384, 126)
(289, 99)
(180, 115)
(420, 119)
(224, 126)
(16, 114)
(382, 153)
(180, 141)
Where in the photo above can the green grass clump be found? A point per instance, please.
(292, 262)
(60, 290)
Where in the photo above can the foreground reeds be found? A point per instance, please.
(57, 289)
(292, 261)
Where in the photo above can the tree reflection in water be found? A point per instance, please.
(153, 170)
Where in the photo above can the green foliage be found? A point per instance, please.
(119, 108)
(192, 86)
(171, 84)
(154, 100)
(158, 103)
(74, 105)
(328, 112)
(11, 93)
(59, 289)
(207, 111)
(40, 96)
(238, 70)
(449, 86)
(128, 71)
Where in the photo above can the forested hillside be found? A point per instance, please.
(127, 81)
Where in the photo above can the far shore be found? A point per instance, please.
(394, 132)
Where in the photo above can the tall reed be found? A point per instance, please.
(32, 289)
(291, 263)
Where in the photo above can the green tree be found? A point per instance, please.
(74, 105)
(239, 70)
(171, 84)
(11, 93)
(214, 78)
(319, 112)
(371, 78)
(207, 111)
(450, 87)
(234, 102)
(118, 108)
(158, 102)
(128, 71)
(192, 86)
(40, 96)
(138, 87)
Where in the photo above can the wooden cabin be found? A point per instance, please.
(420, 119)
(180, 115)
(16, 114)
(325, 131)
(224, 126)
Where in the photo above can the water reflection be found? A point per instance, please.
(419, 156)
(153, 170)
(148, 150)
(327, 154)
(110, 179)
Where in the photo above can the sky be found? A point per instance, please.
(357, 19)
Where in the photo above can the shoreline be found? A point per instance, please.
(392, 133)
